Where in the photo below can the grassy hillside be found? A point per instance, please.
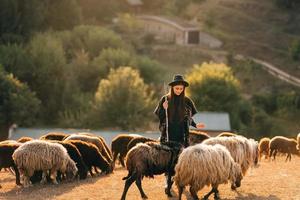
(252, 27)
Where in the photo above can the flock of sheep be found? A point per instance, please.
(57, 157)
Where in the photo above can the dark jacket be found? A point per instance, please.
(178, 131)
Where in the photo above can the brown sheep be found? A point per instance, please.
(6, 160)
(263, 147)
(226, 134)
(196, 137)
(137, 140)
(119, 147)
(54, 136)
(283, 145)
(102, 140)
(149, 159)
(93, 140)
(24, 139)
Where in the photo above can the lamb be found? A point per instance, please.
(201, 165)
(54, 136)
(263, 147)
(6, 160)
(119, 147)
(24, 139)
(196, 137)
(92, 156)
(283, 145)
(137, 140)
(243, 151)
(149, 159)
(42, 155)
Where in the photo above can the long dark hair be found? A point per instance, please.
(180, 105)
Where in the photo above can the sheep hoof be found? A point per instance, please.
(168, 192)
(144, 197)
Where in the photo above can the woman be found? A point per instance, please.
(180, 110)
(175, 111)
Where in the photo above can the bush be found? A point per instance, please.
(123, 100)
(214, 88)
(294, 50)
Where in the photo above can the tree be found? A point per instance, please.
(48, 70)
(112, 58)
(19, 19)
(123, 100)
(214, 88)
(17, 103)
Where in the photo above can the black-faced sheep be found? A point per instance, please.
(201, 165)
(24, 139)
(42, 155)
(244, 151)
(6, 160)
(263, 147)
(149, 159)
(137, 140)
(119, 147)
(196, 137)
(92, 156)
(54, 136)
(226, 134)
(283, 145)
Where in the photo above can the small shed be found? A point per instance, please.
(215, 122)
(171, 30)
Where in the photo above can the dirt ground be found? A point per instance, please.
(270, 181)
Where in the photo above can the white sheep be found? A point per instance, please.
(202, 165)
(42, 155)
(244, 151)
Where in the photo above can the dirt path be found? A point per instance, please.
(271, 181)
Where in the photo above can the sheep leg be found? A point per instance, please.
(138, 183)
(17, 175)
(180, 191)
(208, 194)
(44, 177)
(216, 195)
(115, 156)
(194, 193)
(169, 185)
(121, 158)
(53, 174)
(274, 155)
(90, 170)
(128, 183)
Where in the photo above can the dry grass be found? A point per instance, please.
(271, 181)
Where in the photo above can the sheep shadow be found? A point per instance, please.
(49, 190)
(251, 196)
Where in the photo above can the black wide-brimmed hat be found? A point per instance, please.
(179, 80)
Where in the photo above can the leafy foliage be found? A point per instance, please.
(123, 99)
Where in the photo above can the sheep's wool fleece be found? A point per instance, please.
(41, 155)
(202, 165)
(244, 151)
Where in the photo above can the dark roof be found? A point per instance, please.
(174, 21)
(214, 121)
(135, 2)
